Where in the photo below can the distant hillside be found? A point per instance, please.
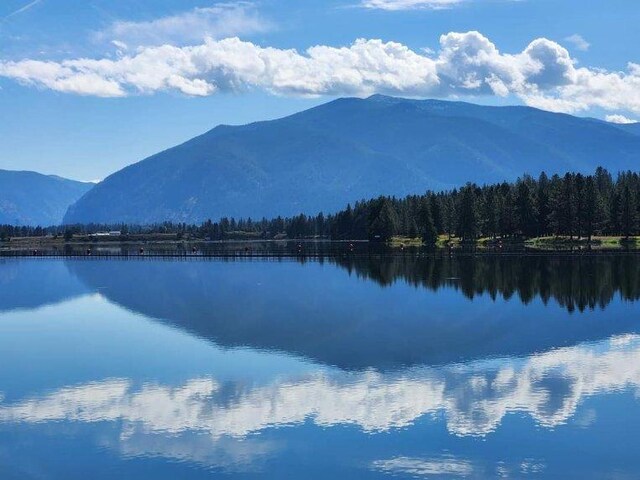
(347, 150)
(30, 198)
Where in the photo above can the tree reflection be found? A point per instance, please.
(576, 283)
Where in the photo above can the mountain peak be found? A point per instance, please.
(348, 150)
(378, 97)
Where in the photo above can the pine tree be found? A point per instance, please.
(384, 222)
(468, 215)
(450, 214)
(436, 212)
(507, 212)
(628, 212)
(490, 213)
(543, 204)
(526, 214)
(562, 217)
(594, 212)
(429, 232)
(579, 202)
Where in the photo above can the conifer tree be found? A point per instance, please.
(468, 215)
(628, 212)
(429, 232)
(594, 212)
(384, 222)
(526, 214)
(543, 204)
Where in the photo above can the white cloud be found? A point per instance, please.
(467, 64)
(219, 21)
(61, 78)
(619, 119)
(365, 67)
(579, 42)
(120, 45)
(409, 4)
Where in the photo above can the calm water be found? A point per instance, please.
(366, 367)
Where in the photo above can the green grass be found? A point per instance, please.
(399, 242)
(597, 242)
(542, 243)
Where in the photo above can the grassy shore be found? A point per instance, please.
(550, 243)
(540, 243)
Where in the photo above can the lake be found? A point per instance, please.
(368, 366)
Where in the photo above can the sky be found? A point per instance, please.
(88, 87)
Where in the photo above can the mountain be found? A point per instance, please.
(30, 198)
(630, 127)
(350, 149)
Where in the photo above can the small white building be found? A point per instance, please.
(112, 233)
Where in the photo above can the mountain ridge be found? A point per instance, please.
(32, 198)
(346, 150)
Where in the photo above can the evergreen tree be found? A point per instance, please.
(384, 222)
(543, 204)
(526, 214)
(507, 211)
(490, 213)
(594, 212)
(429, 232)
(450, 214)
(579, 202)
(468, 215)
(628, 212)
(436, 212)
(563, 206)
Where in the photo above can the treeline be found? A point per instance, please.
(573, 205)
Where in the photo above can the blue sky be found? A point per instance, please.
(90, 86)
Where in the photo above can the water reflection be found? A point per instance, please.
(28, 285)
(410, 367)
(474, 397)
(463, 308)
(575, 282)
(418, 467)
(450, 466)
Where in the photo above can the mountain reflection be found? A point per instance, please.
(461, 308)
(32, 284)
(473, 397)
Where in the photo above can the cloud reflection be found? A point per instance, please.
(474, 397)
(417, 467)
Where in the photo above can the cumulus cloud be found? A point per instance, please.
(409, 4)
(365, 67)
(619, 119)
(218, 21)
(579, 42)
(543, 75)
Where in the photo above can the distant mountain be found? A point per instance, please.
(30, 198)
(350, 149)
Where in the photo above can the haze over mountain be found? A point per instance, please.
(350, 149)
(30, 198)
